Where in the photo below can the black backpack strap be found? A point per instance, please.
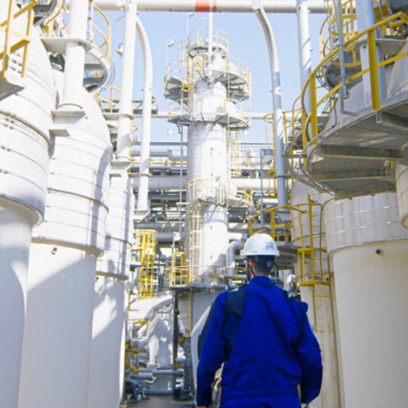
(234, 311)
(236, 300)
(201, 336)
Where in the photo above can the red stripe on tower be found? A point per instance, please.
(206, 5)
(202, 5)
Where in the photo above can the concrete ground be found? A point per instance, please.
(159, 402)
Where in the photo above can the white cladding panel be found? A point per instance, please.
(15, 236)
(107, 343)
(58, 331)
(25, 149)
(362, 220)
(399, 80)
(215, 238)
(207, 152)
(371, 296)
(78, 188)
(401, 180)
(25, 146)
(119, 228)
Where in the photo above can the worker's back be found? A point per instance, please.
(274, 350)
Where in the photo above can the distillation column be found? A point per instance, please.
(25, 150)
(112, 281)
(206, 100)
(64, 250)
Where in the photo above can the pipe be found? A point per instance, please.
(235, 236)
(305, 48)
(252, 115)
(142, 207)
(243, 6)
(277, 102)
(168, 154)
(75, 56)
(126, 88)
(173, 183)
(233, 247)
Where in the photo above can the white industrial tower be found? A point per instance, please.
(207, 86)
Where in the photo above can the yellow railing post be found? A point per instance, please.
(373, 66)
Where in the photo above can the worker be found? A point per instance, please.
(275, 359)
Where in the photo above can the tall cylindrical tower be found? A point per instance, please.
(110, 300)
(25, 150)
(207, 86)
(206, 96)
(60, 304)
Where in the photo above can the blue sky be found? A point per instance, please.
(247, 43)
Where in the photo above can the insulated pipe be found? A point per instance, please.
(305, 47)
(75, 56)
(243, 6)
(277, 102)
(126, 88)
(142, 200)
(173, 183)
(233, 247)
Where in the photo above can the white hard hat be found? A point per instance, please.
(260, 244)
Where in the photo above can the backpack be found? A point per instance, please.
(234, 311)
(235, 306)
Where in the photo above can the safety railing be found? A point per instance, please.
(333, 24)
(301, 225)
(145, 251)
(99, 34)
(195, 231)
(179, 272)
(234, 153)
(16, 40)
(198, 41)
(212, 190)
(310, 120)
(209, 108)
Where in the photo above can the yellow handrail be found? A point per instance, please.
(24, 39)
(310, 120)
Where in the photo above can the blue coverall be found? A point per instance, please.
(274, 351)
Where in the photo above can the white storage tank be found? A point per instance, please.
(110, 300)
(398, 89)
(25, 150)
(368, 246)
(57, 345)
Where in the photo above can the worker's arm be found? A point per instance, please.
(213, 354)
(309, 356)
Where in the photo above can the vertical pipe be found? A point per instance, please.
(210, 35)
(373, 89)
(142, 208)
(261, 151)
(277, 102)
(126, 89)
(15, 234)
(343, 90)
(181, 178)
(305, 48)
(75, 56)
